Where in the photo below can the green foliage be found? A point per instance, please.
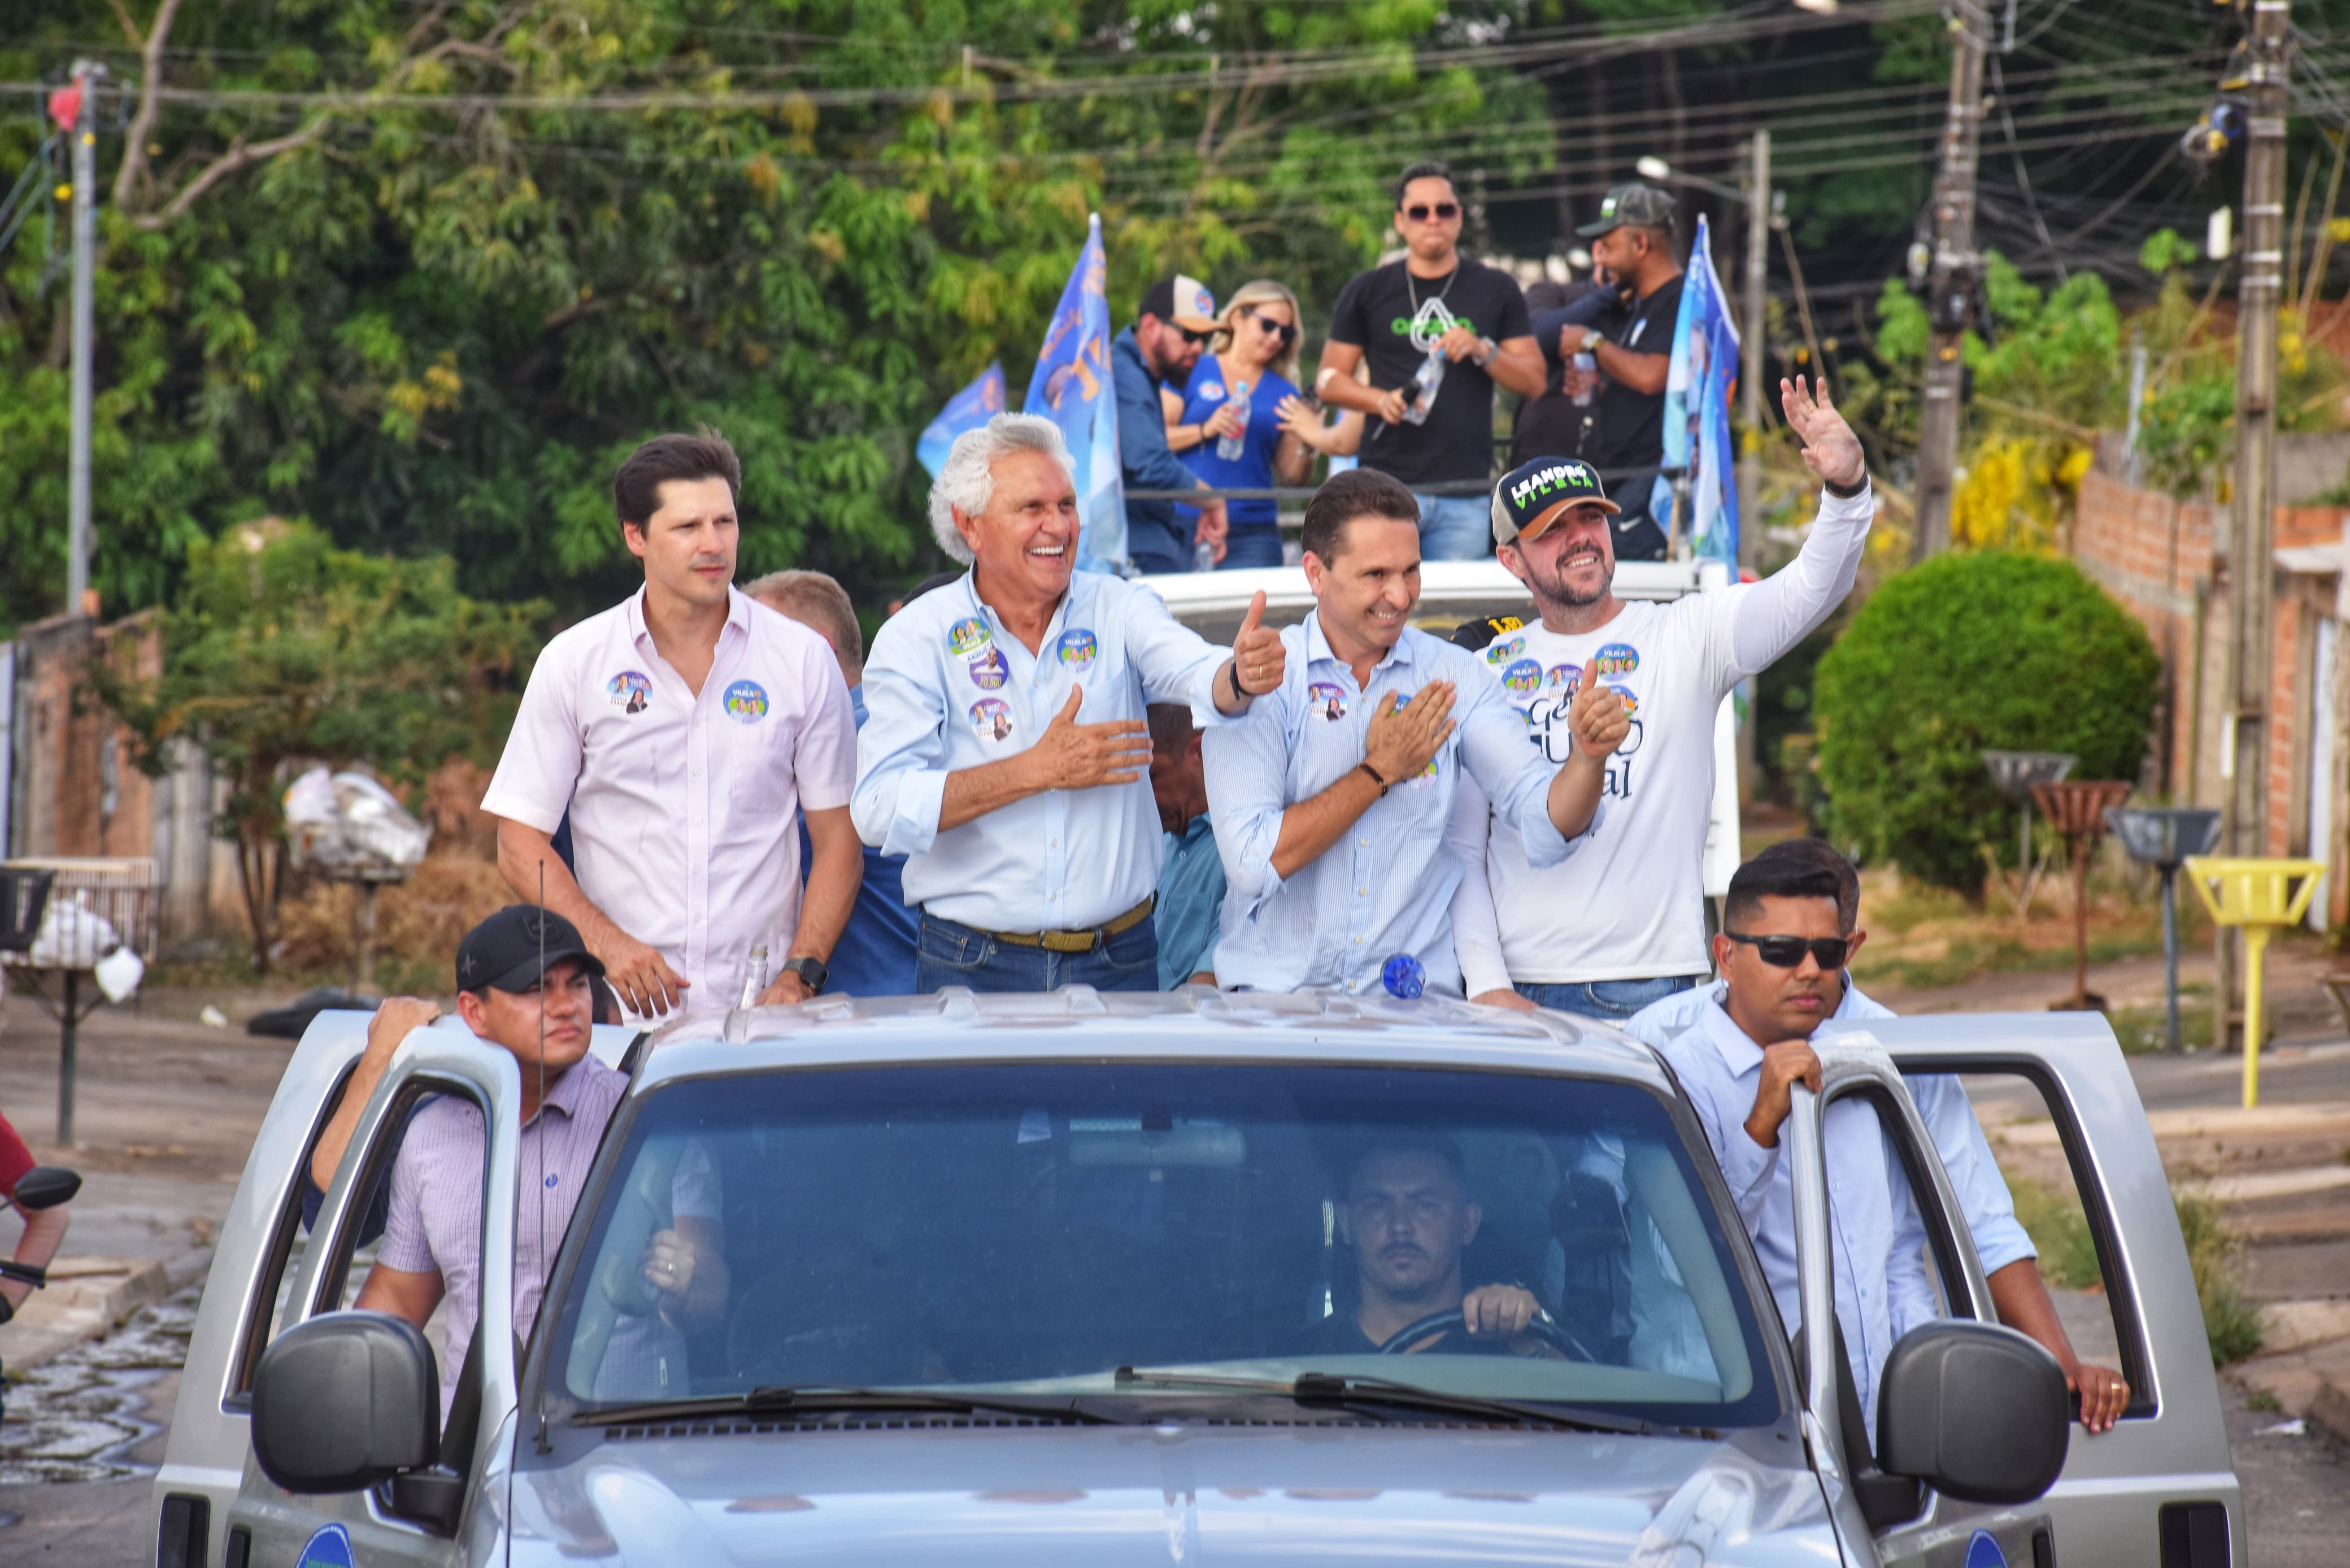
(2231, 1324)
(285, 649)
(2053, 1220)
(1969, 651)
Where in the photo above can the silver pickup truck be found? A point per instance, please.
(1075, 1278)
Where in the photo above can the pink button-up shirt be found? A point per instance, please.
(684, 808)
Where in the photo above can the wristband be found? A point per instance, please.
(1374, 774)
(1238, 695)
(1841, 493)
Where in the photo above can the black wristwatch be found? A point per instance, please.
(1841, 493)
(812, 973)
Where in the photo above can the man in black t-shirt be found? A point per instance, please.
(1633, 239)
(1438, 331)
(1408, 1216)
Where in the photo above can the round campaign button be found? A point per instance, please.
(1616, 658)
(1328, 699)
(992, 716)
(988, 671)
(1525, 674)
(1568, 675)
(746, 701)
(630, 690)
(1076, 648)
(1503, 651)
(969, 635)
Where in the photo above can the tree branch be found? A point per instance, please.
(133, 172)
(240, 154)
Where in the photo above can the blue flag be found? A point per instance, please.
(1697, 411)
(1072, 388)
(966, 411)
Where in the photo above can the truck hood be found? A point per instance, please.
(1167, 1494)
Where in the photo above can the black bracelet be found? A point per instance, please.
(1373, 773)
(1841, 493)
(1238, 695)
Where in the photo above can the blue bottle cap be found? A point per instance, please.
(1403, 977)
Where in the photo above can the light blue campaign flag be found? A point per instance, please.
(966, 411)
(1697, 411)
(1072, 388)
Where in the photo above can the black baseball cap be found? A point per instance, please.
(1532, 495)
(1182, 300)
(1641, 206)
(1477, 634)
(516, 946)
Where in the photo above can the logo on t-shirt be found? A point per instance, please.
(991, 718)
(969, 635)
(1076, 648)
(746, 701)
(988, 670)
(1616, 658)
(630, 690)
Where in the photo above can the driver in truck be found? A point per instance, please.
(1408, 1215)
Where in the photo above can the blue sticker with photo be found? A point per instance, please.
(988, 670)
(1503, 652)
(1525, 674)
(1327, 700)
(970, 635)
(630, 690)
(991, 718)
(1568, 675)
(746, 701)
(1076, 648)
(1616, 658)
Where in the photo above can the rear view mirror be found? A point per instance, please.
(344, 1401)
(45, 1187)
(1976, 1412)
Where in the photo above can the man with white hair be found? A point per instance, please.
(1006, 752)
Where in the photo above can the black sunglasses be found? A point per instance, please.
(1281, 329)
(1194, 339)
(1787, 952)
(1445, 212)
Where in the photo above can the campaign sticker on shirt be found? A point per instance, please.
(969, 635)
(1568, 675)
(1616, 658)
(1524, 676)
(992, 716)
(1211, 391)
(1327, 700)
(746, 701)
(330, 1548)
(1631, 703)
(1503, 652)
(988, 670)
(630, 690)
(1076, 648)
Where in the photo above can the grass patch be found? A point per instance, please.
(2068, 1253)
(2068, 1257)
(2144, 1029)
(2262, 1400)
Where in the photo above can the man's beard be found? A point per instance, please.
(1556, 592)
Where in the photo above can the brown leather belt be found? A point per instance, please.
(1079, 941)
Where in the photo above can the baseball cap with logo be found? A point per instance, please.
(1185, 301)
(1641, 206)
(1532, 495)
(514, 946)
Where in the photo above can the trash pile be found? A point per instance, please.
(349, 823)
(74, 936)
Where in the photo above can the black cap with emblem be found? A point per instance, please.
(510, 951)
(1475, 635)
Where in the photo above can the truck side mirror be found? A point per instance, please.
(344, 1401)
(1975, 1412)
(45, 1187)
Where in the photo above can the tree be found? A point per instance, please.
(1987, 649)
(284, 649)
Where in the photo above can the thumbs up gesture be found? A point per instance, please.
(1258, 661)
(1598, 718)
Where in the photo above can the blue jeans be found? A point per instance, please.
(1251, 544)
(1608, 1001)
(949, 952)
(1455, 527)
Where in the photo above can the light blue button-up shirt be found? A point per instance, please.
(947, 687)
(1881, 1290)
(1387, 887)
(1942, 1104)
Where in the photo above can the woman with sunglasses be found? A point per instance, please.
(1226, 425)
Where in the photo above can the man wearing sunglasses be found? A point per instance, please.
(1439, 332)
(2010, 1260)
(1177, 318)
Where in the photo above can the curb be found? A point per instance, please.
(2330, 1409)
(88, 1297)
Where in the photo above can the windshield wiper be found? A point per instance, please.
(1311, 1388)
(818, 1397)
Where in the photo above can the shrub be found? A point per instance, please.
(1970, 652)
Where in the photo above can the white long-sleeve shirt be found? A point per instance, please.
(1629, 905)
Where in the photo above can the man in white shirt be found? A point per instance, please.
(684, 730)
(1779, 952)
(1621, 924)
(1349, 803)
(2010, 1260)
(1004, 752)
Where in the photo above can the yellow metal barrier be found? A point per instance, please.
(2260, 896)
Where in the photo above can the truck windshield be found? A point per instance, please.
(1034, 1229)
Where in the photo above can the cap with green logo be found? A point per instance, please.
(1532, 495)
(1641, 206)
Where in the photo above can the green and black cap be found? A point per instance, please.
(1532, 495)
(1640, 206)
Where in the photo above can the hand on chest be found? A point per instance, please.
(1001, 696)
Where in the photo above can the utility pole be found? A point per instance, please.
(1950, 288)
(2244, 742)
(85, 265)
(1750, 345)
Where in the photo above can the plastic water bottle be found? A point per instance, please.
(755, 978)
(1425, 382)
(1230, 447)
(1203, 556)
(1584, 364)
(1403, 977)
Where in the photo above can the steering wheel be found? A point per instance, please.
(1543, 1327)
